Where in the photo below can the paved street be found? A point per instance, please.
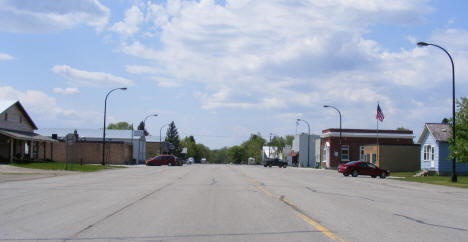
(229, 203)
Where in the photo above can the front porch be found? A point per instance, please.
(17, 146)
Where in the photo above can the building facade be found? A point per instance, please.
(353, 142)
(396, 158)
(303, 148)
(133, 143)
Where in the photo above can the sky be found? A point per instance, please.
(225, 69)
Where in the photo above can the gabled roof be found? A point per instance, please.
(440, 132)
(6, 104)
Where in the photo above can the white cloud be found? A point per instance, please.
(45, 16)
(66, 91)
(273, 54)
(44, 108)
(90, 78)
(136, 69)
(130, 25)
(5, 57)
(284, 56)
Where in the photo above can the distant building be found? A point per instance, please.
(353, 142)
(301, 154)
(270, 152)
(136, 140)
(18, 142)
(434, 150)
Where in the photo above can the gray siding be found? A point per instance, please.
(300, 145)
(13, 120)
(445, 164)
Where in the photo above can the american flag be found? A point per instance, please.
(379, 114)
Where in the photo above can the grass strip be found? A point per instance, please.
(462, 181)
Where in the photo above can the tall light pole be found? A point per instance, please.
(144, 128)
(308, 141)
(269, 146)
(329, 106)
(160, 144)
(422, 44)
(104, 129)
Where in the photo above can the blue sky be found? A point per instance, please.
(225, 69)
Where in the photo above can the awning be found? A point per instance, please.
(26, 136)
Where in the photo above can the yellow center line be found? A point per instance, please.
(296, 211)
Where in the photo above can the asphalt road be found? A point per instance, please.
(229, 203)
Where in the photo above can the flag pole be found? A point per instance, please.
(377, 120)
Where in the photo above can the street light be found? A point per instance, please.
(160, 144)
(144, 128)
(104, 129)
(422, 44)
(329, 106)
(308, 140)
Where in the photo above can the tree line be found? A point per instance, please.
(252, 147)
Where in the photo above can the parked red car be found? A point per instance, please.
(169, 160)
(356, 168)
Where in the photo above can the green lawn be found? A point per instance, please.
(438, 180)
(62, 166)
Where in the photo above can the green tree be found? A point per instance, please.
(289, 139)
(192, 149)
(218, 156)
(141, 126)
(235, 154)
(120, 125)
(172, 136)
(253, 148)
(402, 129)
(278, 142)
(459, 150)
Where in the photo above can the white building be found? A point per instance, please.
(306, 156)
(270, 152)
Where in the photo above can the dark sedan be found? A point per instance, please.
(356, 168)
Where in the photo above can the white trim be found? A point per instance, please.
(428, 156)
(367, 135)
(344, 147)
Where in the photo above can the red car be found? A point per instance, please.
(169, 160)
(356, 168)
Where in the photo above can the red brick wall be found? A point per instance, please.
(91, 153)
(354, 144)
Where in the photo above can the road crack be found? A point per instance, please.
(429, 224)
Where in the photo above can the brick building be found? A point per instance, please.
(353, 142)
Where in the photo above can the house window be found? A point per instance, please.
(374, 158)
(427, 151)
(345, 153)
(21, 119)
(432, 153)
(6, 116)
(361, 153)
